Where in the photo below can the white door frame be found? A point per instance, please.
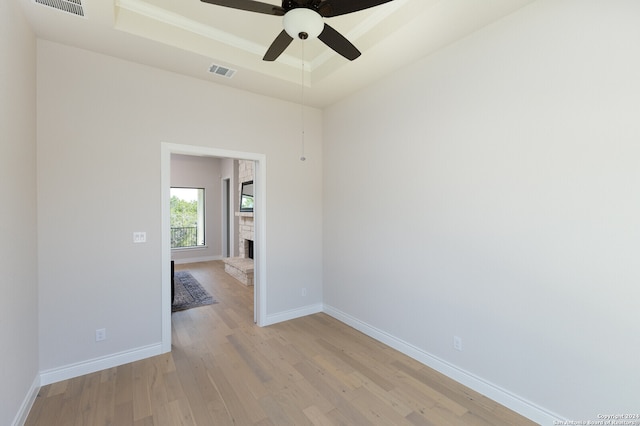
(260, 260)
(225, 192)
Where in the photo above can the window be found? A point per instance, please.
(187, 217)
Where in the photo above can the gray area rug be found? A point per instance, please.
(189, 293)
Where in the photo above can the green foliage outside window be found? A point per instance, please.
(187, 217)
(183, 213)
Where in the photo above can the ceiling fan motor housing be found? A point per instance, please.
(303, 23)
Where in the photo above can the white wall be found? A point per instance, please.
(18, 254)
(230, 171)
(491, 192)
(201, 172)
(101, 123)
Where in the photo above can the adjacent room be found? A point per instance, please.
(458, 203)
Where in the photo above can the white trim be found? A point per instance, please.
(191, 248)
(165, 249)
(164, 16)
(376, 17)
(294, 313)
(226, 219)
(260, 260)
(196, 259)
(478, 384)
(98, 364)
(29, 399)
(159, 14)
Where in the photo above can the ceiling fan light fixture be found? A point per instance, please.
(303, 23)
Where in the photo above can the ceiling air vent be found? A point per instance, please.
(69, 6)
(222, 71)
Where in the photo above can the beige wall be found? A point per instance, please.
(491, 192)
(101, 123)
(18, 253)
(201, 172)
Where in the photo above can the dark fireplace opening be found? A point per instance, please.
(249, 251)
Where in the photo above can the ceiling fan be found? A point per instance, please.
(303, 19)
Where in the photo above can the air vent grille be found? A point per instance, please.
(221, 71)
(69, 6)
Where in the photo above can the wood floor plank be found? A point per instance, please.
(57, 388)
(332, 390)
(280, 358)
(46, 410)
(337, 370)
(315, 396)
(374, 409)
(418, 420)
(242, 379)
(76, 387)
(347, 414)
(146, 421)
(123, 413)
(234, 406)
(357, 365)
(191, 389)
(141, 397)
(279, 415)
(316, 416)
(388, 398)
(224, 370)
(180, 413)
(105, 407)
(418, 401)
(87, 408)
(228, 321)
(67, 412)
(257, 365)
(433, 395)
(124, 385)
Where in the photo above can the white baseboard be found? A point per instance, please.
(488, 389)
(293, 313)
(97, 364)
(196, 259)
(21, 416)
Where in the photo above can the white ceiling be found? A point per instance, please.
(188, 36)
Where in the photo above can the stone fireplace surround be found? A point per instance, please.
(241, 267)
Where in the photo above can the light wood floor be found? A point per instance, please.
(224, 370)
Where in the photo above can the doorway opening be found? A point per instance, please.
(259, 258)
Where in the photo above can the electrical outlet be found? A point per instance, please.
(457, 343)
(101, 334)
(303, 292)
(139, 237)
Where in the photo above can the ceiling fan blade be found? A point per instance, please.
(337, 42)
(330, 8)
(277, 47)
(249, 5)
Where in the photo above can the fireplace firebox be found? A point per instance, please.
(248, 248)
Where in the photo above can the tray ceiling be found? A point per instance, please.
(189, 36)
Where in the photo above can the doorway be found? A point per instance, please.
(260, 280)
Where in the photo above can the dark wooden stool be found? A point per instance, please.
(173, 287)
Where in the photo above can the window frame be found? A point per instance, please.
(201, 224)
